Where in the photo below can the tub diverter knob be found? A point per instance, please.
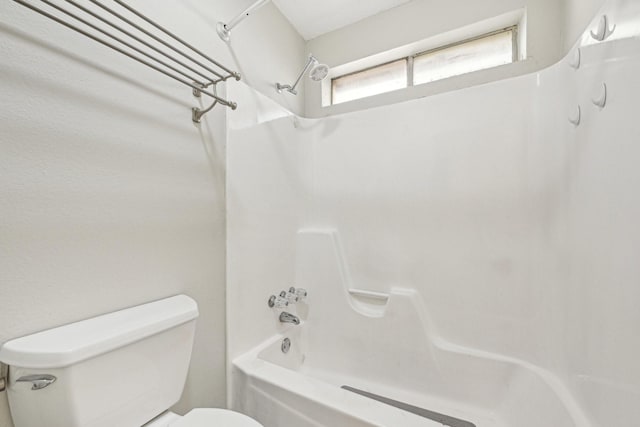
(277, 301)
(301, 293)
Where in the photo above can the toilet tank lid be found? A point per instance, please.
(65, 345)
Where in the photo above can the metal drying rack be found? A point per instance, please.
(154, 54)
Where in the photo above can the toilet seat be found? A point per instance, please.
(212, 417)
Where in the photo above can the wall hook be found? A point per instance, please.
(574, 60)
(601, 100)
(603, 32)
(574, 117)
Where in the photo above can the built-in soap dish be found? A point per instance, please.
(369, 303)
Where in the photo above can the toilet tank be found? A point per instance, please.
(117, 370)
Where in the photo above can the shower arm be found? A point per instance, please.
(292, 89)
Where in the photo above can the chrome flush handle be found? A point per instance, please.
(38, 381)
(3, 377)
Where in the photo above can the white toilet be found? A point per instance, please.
(123, 369)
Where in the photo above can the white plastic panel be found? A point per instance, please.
(515, 227)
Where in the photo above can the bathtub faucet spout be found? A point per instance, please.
(289, 318)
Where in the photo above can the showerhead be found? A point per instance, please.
(319, 72)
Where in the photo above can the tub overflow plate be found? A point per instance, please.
(286, 345)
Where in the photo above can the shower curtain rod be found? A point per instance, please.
(224, 30)
(197, 73)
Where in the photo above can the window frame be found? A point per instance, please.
(515, 57)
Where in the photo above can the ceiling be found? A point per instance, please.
(313, 18)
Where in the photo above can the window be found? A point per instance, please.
(471, 55)
(486, 51)
(380, 79)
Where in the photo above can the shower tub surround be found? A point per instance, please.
(385, 344)
(472, 253)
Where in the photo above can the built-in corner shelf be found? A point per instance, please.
(370, 295)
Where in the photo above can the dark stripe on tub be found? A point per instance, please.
(425, 413)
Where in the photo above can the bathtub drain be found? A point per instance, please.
(425, 413)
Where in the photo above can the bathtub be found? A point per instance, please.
(363, 345)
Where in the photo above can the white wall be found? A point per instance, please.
(518, 229)
(109, 195)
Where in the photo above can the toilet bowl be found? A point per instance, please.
(204, 417)
(125, 368)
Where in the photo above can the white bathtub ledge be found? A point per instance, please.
(285, 381)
